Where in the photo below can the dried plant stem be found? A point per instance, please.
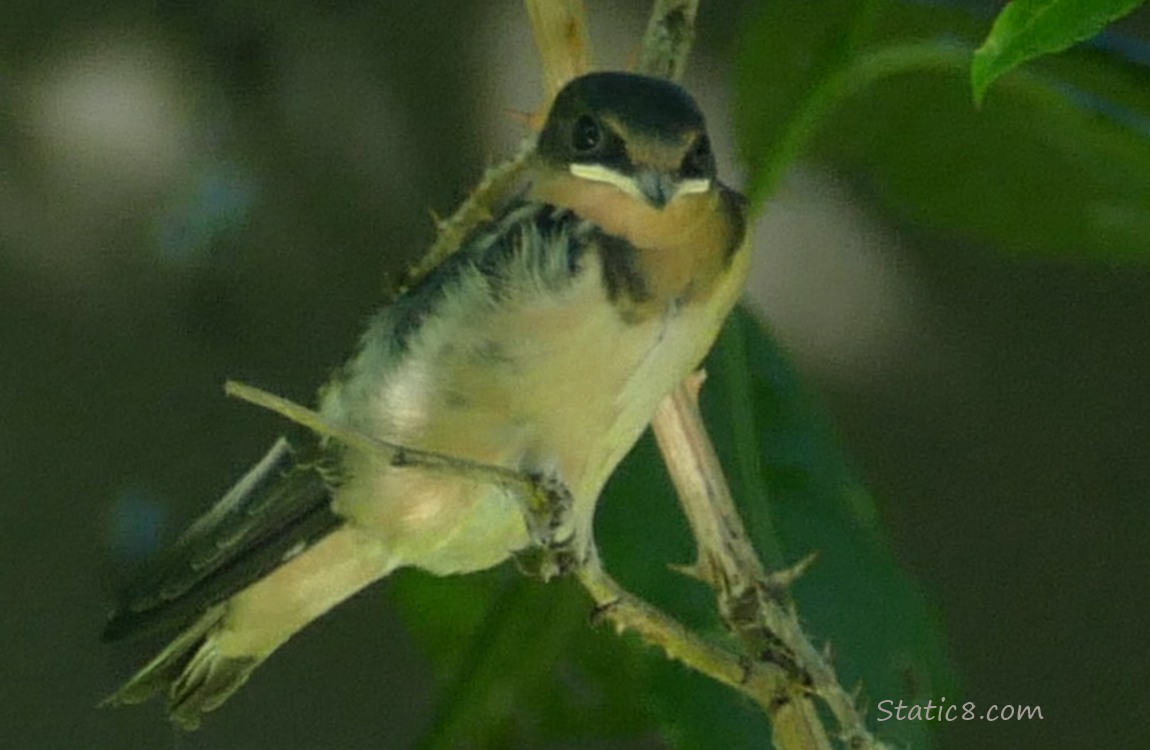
(497, 183)
(752, 602)
(763, 683)
(667, 41)
(396, 455)
(749, 601)
(560, 31)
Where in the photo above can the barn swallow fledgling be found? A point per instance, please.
(542, 346)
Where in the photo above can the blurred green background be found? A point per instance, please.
(196, 192)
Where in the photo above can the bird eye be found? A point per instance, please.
(699, 161)
(587, 135)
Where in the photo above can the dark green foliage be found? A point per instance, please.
(1056, 164)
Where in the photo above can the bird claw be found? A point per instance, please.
(549, 512)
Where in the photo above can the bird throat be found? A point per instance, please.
(676, 247)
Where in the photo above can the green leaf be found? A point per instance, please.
(518, 662)
(1034, 174)
(521, 665)
(1027, 29)
(790, 56)
(1059, 167)
(887, 636)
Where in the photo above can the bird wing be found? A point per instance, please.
(279, 508)
(283, 504)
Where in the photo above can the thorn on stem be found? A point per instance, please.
(694, 382)
(602, 612)
(691, 570)
(533, 120)
(779, 581)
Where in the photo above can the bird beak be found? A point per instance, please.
(656, 187)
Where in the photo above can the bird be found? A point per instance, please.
(541, 348)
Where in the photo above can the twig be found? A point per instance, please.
(560, 31)
(667, 41)
(396, 455)
(727, 562)
(751, 601)
(762, 682)
(497, 183)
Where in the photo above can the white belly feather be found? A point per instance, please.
(555, 383)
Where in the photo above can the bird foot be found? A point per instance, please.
(549, 513)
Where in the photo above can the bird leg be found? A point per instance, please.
(548, 511)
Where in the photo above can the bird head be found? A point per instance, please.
(644, 136)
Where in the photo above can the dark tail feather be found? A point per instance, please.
(190, 672)
(277, 509)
